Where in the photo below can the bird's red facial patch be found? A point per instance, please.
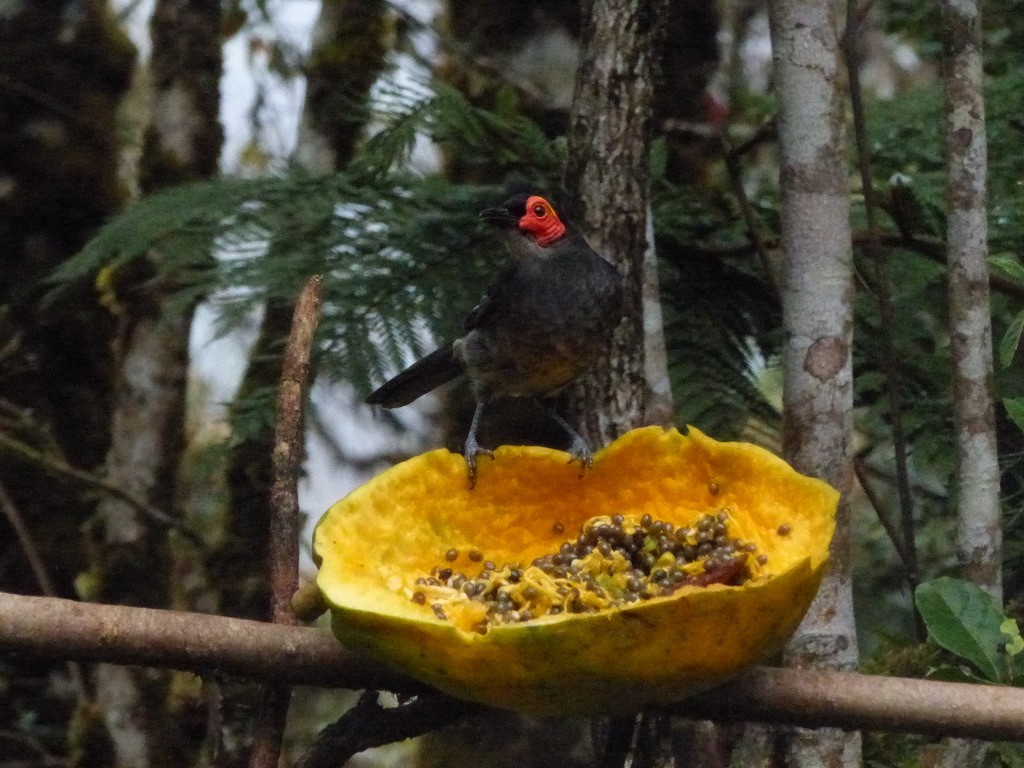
(541, 222)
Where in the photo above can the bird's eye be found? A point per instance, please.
(539, 211)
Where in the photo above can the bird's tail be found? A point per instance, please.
(419, 378)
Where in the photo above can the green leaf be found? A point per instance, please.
(1015, 643)
(1016, 666)
(1009, 264)
(1011, 340)
(1010, 754)
(506, 102)
(1015, 409)
(965, 621)
(1014, 650)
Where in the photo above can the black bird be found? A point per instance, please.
(546, 318)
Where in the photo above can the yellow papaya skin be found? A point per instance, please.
(374, 543)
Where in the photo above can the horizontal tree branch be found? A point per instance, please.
(52, 628)
(851, 701)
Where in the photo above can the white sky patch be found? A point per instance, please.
(218, 361)
(409, 79)
(247, 76)
(134, 17)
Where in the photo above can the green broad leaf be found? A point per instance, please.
(1014, 642)
(1015, 409)
(1011, 340)
(1008, 264)
(964, 620)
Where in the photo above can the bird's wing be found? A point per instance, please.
(494, 298)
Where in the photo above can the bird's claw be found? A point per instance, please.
(580, 451)
(472, 450)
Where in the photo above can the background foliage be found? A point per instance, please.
(405, 257)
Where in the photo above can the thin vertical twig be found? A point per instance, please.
(891, 529)
(288, 450)
(26, 543)
(42, 576)
(731, 158)
(886, 307)
(284, 503)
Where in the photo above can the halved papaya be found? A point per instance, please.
(373, 546)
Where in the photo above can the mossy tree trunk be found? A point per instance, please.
(133, 561)
(607, 174)
(346, 59)
(64, 67)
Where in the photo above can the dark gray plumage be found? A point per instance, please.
(544, 320)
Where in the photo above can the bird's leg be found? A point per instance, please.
(579, 450)
(473, 449)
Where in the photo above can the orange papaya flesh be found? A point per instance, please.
(374, 544)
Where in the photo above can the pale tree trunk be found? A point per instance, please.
(979, 535)
(979, 540)
(818, 318)
(182, 143)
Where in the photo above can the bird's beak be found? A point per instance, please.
(499, 217)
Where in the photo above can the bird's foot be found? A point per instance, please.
(580, 451)
(472, 450)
